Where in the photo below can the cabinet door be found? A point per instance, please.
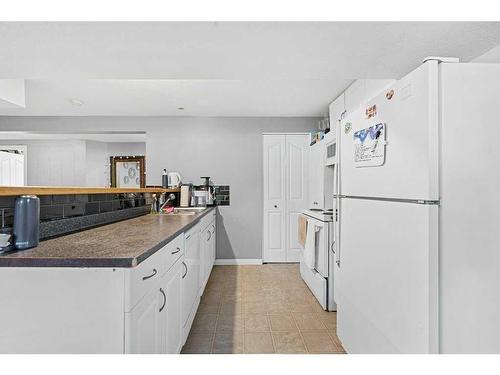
(145, 328)
(336, 110)
(191, 276)
(316, 176)
(354, 95)
(205, 256)
(297, 186)
(209, 250)
(203, 260)
(173, 308)
(214, 244)
(274, 241)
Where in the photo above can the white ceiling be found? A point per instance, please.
(109, 137)
(217, 69)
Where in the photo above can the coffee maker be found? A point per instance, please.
(208, 188)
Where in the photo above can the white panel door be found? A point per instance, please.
(145, 328)
(11, 169)
(387, 292)
(191, 273)
(410, 170)
(297, 162)
(173, 308)
(274, 198)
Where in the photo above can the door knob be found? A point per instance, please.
(275, 206)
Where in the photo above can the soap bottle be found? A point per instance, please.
(164, 179)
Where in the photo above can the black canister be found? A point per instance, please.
(164, 179)
(26, 222)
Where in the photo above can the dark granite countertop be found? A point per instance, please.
(123, 244)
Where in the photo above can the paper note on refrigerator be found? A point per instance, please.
(369, 146)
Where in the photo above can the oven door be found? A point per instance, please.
(316, 279)
(322, 237)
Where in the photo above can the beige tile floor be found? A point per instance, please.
(261, 309)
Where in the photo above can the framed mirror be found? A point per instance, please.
(128, 171)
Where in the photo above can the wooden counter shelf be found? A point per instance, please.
(68, 190)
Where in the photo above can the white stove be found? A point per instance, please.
(320, 279)
(325, 216)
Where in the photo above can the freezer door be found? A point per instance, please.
(407, 168)
(387, 290)
(469, 212)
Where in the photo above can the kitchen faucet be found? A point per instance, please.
(171, 197)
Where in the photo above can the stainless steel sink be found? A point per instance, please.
(185, 211)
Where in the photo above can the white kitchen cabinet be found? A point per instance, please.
(320, 178)
(316, 172)
(205, 256)
(171, 284)
(190, 285)
(145, 325)
(207, 252)
(148, 308)
(154, 325)
(363, 90)
(354, 95)
(336, 111)
(285, 169)
(213, 245)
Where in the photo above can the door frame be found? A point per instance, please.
(24, 151)
(262, 185)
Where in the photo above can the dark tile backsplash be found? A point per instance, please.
(74, 209)
(222, 195)
(60, 207)
(7, 201)
(91, 208)
(48, 213)
(50, 229)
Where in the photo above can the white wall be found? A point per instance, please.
(96, 164)
(127, 148)
(229, 149)
(54, 163)
(72, 162)
(12, 93)
(492, 56)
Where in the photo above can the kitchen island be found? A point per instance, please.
(127, 287)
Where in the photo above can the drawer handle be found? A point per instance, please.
(164, 299)
(186, 267)
(176, 251)
(188, 236)
(150, 276)
(209, 235)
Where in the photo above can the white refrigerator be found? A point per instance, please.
(417, 264)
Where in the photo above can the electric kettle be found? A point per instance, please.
(174, 180)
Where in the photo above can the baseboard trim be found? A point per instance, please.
(237, 262)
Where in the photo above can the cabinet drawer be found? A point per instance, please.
(174, 250)
(141, 279)
(207, 219)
